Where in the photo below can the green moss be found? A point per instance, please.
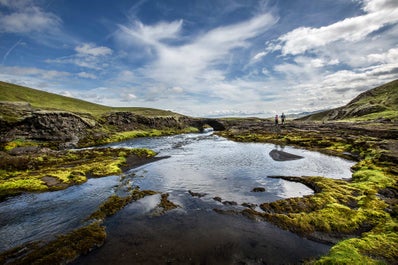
(18, 143)
(114, 203)
(122, 136)
(377, 247)
(17, 185)
(55, 171)
(62, 250)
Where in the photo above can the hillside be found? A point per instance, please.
(380, 103)
(41, 100)
(28, 114)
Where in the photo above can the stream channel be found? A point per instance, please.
(203, 165)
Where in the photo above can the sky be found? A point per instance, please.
(202, 58)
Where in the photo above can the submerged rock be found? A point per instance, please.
(283, 156)
(196, 194)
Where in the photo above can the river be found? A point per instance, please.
(201, 164)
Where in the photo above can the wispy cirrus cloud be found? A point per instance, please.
(193, 63)
(87, 55)
(23, 17)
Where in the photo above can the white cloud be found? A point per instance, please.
(89, 49)
(33, 77)
(259, 55)
(199, 57)
(326, 67)
(379, 14)
(25, 17)
(390, 56)
(87, 55)
(177, 89)
(32, 71)
(87, 75)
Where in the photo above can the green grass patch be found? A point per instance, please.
(58, 170)
(122, 136)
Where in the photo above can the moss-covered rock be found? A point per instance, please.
(52, 170)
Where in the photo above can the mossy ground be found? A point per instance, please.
(52, 170)
(353, 214)
(121, 136)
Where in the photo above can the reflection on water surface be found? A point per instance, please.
(193, 233)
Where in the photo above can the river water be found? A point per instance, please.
(199, 164)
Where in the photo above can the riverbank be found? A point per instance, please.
(35, 169)
(359, 215)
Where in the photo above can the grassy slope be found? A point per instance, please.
(49, 101)
(379, 102)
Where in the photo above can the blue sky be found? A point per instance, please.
(202, 58)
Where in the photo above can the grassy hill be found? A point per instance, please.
(377, 103)
(41, 100)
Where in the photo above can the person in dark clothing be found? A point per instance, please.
(276, 119)
(283, 118)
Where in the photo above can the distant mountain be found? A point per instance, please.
(380, 103)
(303, 114)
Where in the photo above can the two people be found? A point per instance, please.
(282, 118)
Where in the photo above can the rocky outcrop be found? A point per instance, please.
(127, 121)
(64, 127)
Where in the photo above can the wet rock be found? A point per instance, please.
(258, 189)
(196, 194)
(283, 156)
(217, 199)
(231, 203)
(249, 205)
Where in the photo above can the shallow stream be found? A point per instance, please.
(203, 165)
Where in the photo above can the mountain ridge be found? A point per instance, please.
(379, 103)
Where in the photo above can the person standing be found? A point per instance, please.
(283, 118)
(276, 119)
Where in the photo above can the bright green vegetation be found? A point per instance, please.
(49, 101)
(58, 170)
(121, 136)
(19, 143)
